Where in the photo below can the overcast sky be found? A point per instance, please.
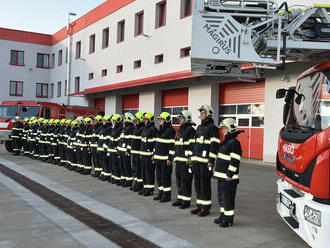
(42, 16)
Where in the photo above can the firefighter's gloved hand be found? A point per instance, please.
(108, 154)
(127, 154)
(190, 170)
(228, 179)
(169, 162)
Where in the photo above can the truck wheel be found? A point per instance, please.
(9, 145)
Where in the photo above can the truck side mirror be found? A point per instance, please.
(280, 93)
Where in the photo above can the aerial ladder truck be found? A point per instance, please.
(242, 39)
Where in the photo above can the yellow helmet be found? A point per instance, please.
(117, 118)
(88, 121)
(51, 121)
(129, 117)
(33, 118)
(107, 118)
(63, 121)
(166, 116)
(35, 121)
(68, 122)
(75, 123)
(98, 118)
(57, 121)
(45, 122)
(139, 116)
(26, 119)
(149, 116)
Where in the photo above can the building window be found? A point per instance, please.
(65, 87)
(16, 88)
(78, 50)
(159, 58)
(119, 68)
(52, 60)
(92, 43)
(43, 60)
(59, 60)
(17, 57)
(186, 8)
(160, 14)
(104, 72)
(51, 93)
(121, 31)
(105, 38)
(42, 90)
(76, 84)
(139, 23)
(59, 89)
(90, 76)
(174, 111)
(137, 64)
(66, 55)
(185, 52)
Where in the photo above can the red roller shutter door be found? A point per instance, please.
(99, 103)
(130, 102)
(246, 93)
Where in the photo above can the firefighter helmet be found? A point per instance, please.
(41, 119)
(75, 123)
(57, 121)
(35, 121)
(166, 116)
(26, 119)
(33, 118)
(98, 118)
(67, 122)
(139, 116)
(80, 119)
(186, 114)
(16, 118)
(149, 116)
(45, 122)
(129, 117)
(208, 109)
(88, 121)
(229, 123)
(107, 118)
(51, 121)
(117, 118)
(63, 121)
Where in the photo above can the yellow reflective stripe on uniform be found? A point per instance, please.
(235, 156)
(159, 157)
(191, 141)
(180, 159)
(229, 213)
(135, 152)
(179, 143)
(149, 186)
(224, 176)
(100, 149)
(232, 168)
(123, 149)
(224, 156)
(167, 141)
(222, 210)
(189, 153)
(202, 202)
(198, 159)
(185, 198)
(160, 188)
(111, 150)
(135, 137)
(168, 189)
(146, 153)
(98, 169)
(213, 139)
(171, 152)
(212, 155)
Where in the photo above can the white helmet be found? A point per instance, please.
(230, 123)
(186, 114)
(80, 119)
(208, 109)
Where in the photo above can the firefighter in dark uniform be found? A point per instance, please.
(62, 142)
(66, 145)
(227, 170)
(34, 139)
(87, 152)
(16, 135)
(71, 145)
(163, 160)
(50, 139)
(112, 149)
(79, 143)
(124, 152)
(94, 143)
(181, 153)
(25, 144)
(43, 140)
(31, 139)
(104, 136)
(149, 135)
(56, 142)
(203, 158)
(134, 148)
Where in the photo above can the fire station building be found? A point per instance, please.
(132, 55)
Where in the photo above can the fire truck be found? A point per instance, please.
(47, 110)
(242, 39)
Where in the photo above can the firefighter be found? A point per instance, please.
(94, 143)
(105, 172)
(50, 139)
(71, 147)
(31, 139)
(38, 137)
(227, 170)
(149, 134)
(181, 153)
(62, 143)
(43, 140)
(163, 160)
(86, 152)
(124, 150)
(16, 135)
(112, 149)
(67, 148)
(56, 141)
(134, 147)
(25, 144)
(34, 139)
(204, 154)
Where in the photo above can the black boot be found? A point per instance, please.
(204, 212)
(166, 198)
(176, 203)
(158, 196)
(141, 192)
(226, 224)
(148, 192)
(195, 211)
(184, 205)
(219, 219)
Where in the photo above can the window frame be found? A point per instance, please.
(121, 67)
(42, 85)
(159, 5)
(159, 56)
(76, 84)
(121, 31)
(78, 49)
(60, 58)
(51, 91)
(92, 40)
(139, 24)
(184, 50)
(43, 55)
(16, 87)
(136, 63)
(185, 5)
(104, 74)
(52, 61)
(17, 52)
(105, 38)
(90, 76)
(59, 89)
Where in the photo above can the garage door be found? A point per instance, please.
(99, 103)
(245, 103)
(130, 103)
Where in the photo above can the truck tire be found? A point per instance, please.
(9, 145)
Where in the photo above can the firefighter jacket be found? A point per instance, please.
(87, 136)
(229, 157)
(125, 137)
(103, 135)
(164, 142)
(148, 135)
(42, 134)
(17, 130)
(51, 138)
(95, 136)
(114, 138)
(183, 145)
(80, 137)
(56, 135)
(33, 133)
(61, 139)
(25, 131)
(66, 135)
(72, 138)
(136, 138)
(206, 142)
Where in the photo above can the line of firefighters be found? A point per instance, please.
(130, 151)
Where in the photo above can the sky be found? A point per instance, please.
(42, 16)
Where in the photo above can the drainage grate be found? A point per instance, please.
(103, 226)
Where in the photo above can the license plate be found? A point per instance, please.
(285, 201)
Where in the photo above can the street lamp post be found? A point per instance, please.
(68, 72)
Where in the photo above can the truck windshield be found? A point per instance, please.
(313, 112)
(29, 111)
(8, 111)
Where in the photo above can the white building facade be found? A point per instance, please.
(134, 55)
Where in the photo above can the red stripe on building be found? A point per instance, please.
(175, 97)
(24, 36)
(131, 101)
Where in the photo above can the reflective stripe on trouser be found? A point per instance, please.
(226, 198)
(125, 167)
(202, 179)
(98, 166)
(148, 170)
(80, 158)
(106, 164)
(183, 181)
(137, 171)
(164, 174)
(115, 166)
(87, 160)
